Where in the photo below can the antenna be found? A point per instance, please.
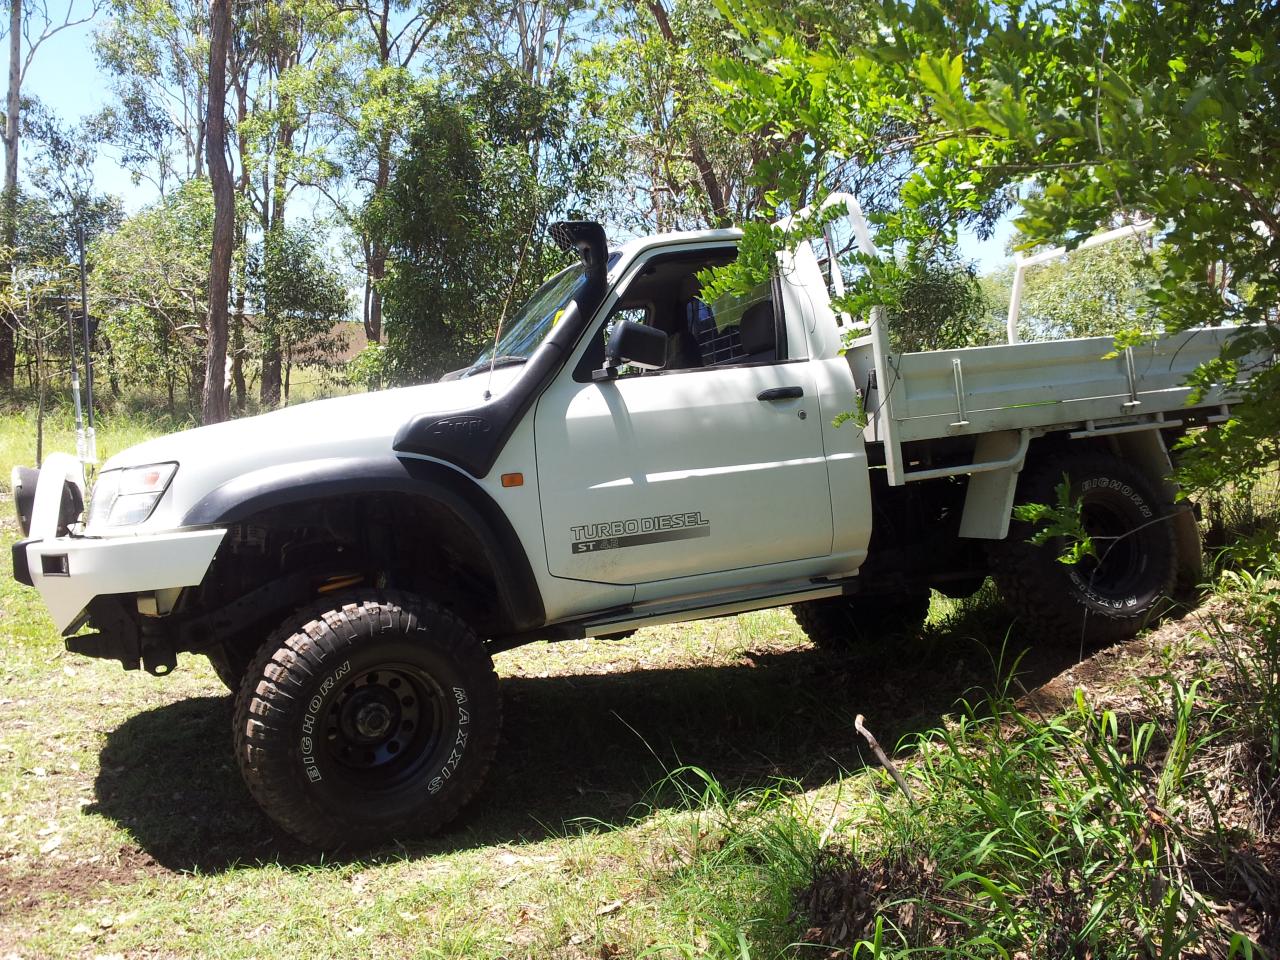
(86, 438)
(75, 374)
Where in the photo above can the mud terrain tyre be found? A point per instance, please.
(367, 720)
(1096, 601)
(842, 624)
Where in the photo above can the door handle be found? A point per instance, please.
(780, 393)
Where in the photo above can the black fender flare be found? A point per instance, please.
(293, 483)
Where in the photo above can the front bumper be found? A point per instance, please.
(70, 571)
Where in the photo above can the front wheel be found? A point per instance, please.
(369, 720)
(1103, 598)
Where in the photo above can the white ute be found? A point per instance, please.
(625, 455)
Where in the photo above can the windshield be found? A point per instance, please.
(522, 333)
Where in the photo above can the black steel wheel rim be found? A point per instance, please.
(385, 723)
(1115, 569)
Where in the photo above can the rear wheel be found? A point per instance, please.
(1103, 598)
(845, 623)
(369, 720)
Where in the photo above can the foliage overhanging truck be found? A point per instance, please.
(625, 455)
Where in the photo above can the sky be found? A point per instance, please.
(66, 77)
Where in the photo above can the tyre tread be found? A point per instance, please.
(294, 654)
(1016, 563)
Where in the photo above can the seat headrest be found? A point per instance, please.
(757, 328)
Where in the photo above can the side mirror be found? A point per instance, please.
(636, 344)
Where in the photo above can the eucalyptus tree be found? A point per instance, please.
(455, 219)
(213, 404)
(517, 63)
(151, 292)
(62, 198)
(1091, 293)
(287, 49)
(156, 54)
(648, 79)
(290, 269)
(30, 24)
(367, 103)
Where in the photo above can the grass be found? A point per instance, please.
(1118, 822)
(694, 791)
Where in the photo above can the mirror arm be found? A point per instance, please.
(607, 372)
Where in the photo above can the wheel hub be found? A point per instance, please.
(372, 720)
(1117, 561)
(383, 718)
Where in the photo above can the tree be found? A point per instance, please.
(369, 108)
(1104, 110)
(32, 22)
(648, 81)
(283, 51)
(1091, 293)
(151, 291)
(38, 295)
(463, 223)
(156, 51)
(62, 164)
(214, 406)
(289, 270)
(938, 304)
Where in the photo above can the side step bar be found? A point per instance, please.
(723, 604)
(719, 605)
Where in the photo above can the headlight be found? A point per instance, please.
(122, 498)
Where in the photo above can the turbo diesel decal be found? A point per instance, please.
(614, 534)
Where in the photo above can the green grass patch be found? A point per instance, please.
(697, 790)
(1130, 815)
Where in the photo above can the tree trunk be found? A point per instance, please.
(13, 104)
(237, 356)
(242, 188)
(718, 215)
(269, 384)
(376, 262)
(269, 388)
(214, 401)
(113, 377)
(9, 229)
(377, 270)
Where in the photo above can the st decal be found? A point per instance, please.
(615, 534)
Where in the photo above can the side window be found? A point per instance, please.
(666, 294)
(734, 329)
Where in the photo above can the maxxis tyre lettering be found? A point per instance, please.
(1063, 603)
(841, 624)
(292, 725)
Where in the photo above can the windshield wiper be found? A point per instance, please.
(509, 360)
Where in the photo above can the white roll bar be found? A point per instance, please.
(1021, 263)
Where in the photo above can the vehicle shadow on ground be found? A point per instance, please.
(578, 752)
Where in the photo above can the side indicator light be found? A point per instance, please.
(513, 479)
